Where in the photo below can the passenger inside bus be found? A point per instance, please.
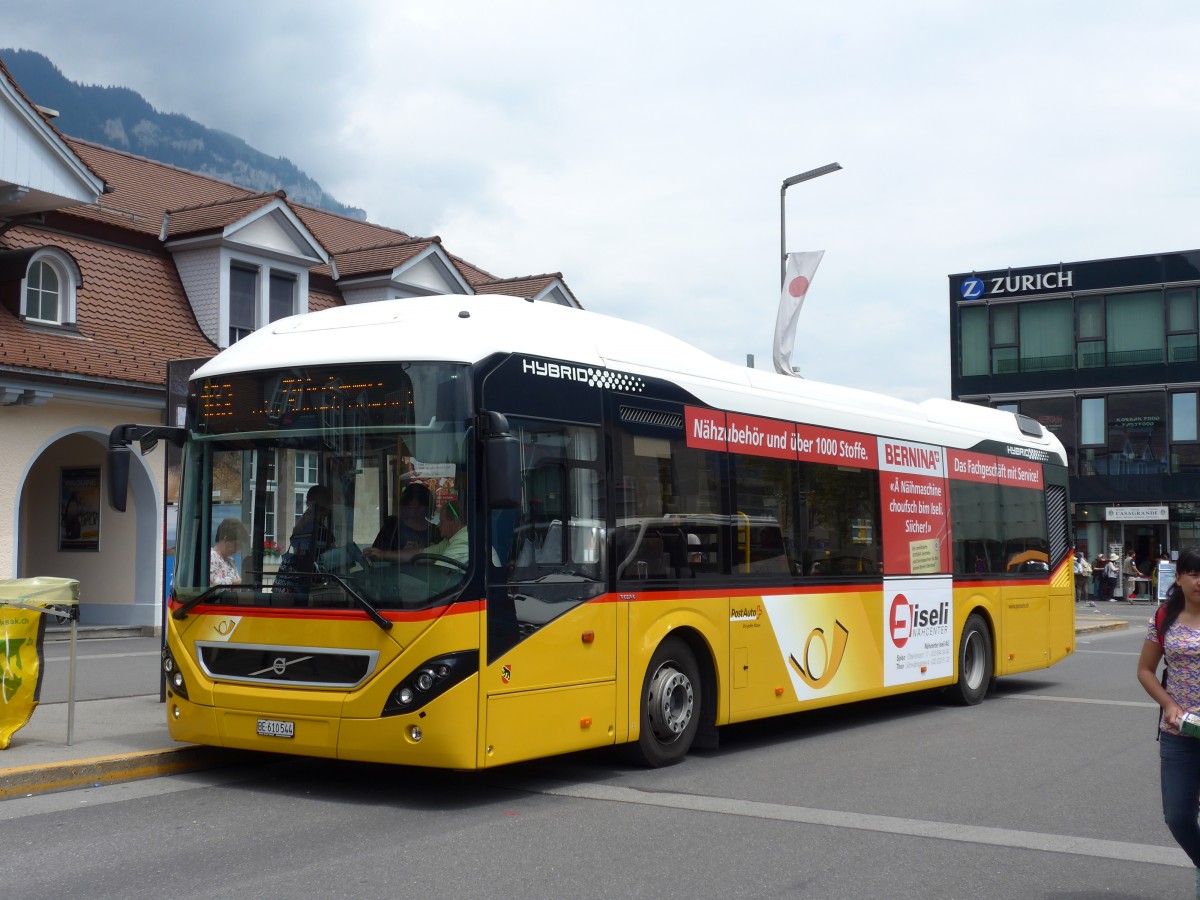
(409, 529)
(453, 549)
(313, 534)
(222, 566)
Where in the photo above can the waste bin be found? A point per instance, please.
(25, 606)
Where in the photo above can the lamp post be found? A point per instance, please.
(787, 183)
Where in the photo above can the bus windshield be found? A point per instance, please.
(325, 488)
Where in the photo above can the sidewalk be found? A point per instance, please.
(126, 738)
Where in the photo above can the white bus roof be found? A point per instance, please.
(467, 329)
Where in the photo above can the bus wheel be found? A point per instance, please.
(974, 662)
(670, 705)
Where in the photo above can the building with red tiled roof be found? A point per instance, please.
(111, 265)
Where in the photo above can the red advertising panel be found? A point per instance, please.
(761, 437)
(915, 507)
(989, 469)
(840, 448)
(705, 428)
(709, 429)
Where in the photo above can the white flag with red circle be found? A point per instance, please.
(798, 276)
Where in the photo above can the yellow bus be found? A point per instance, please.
(463, 532)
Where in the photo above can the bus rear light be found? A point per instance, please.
(429, 680)
(174, 677)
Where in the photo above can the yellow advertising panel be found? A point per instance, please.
(21, 678)
(829, 642)
(24, 604)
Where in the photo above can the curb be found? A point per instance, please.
(1101, 626)
(26, 781)
(91, 632)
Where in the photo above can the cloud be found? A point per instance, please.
(640, 148)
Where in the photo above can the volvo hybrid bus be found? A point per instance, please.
(611, 538)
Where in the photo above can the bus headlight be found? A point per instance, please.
(429, 680)
(174, 677)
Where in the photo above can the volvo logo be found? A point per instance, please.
(280, 665)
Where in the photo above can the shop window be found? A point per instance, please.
(973, 338)
(1089, 327)
(1091, 421)
(1181, 325)
(1185, 433)
(1005, 358)
(1046, 336)
(1134, 323)
(1057, 416)
(1135, 439)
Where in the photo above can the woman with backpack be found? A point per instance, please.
(1173, 635)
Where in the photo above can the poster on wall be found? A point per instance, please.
(79, 509)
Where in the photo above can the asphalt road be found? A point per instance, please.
(1049, 789)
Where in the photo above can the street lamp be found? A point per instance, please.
(787, 183)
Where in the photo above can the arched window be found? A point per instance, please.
(50, 283)
(43, 289)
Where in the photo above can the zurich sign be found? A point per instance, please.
(972, 288)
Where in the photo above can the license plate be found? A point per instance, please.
(276, 728)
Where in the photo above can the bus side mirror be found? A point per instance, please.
(118, 477)
(119, 440)
(503, 471)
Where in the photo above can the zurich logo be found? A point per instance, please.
(972, 288)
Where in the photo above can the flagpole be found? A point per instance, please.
(787, 183)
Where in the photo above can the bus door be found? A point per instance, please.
(549, 677)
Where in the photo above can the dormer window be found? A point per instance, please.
(244, 263)
(245, 311)
(243, 300)
(48, 290)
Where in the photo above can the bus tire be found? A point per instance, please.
(671, 702)
(975, 662)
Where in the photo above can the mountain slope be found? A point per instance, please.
(121, 118)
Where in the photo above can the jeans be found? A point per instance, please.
(1179, 756)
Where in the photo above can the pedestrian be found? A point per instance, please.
(1173, 636)
(1112, 575)
(1131, 574)
(1083, 577)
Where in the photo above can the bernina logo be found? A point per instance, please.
(976, 288)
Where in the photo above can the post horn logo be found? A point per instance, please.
(841, 637)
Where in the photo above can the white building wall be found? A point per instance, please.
(120, 584)
(26, 158)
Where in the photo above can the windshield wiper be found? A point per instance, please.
(219, 589)
(362, 601)
(216, 589)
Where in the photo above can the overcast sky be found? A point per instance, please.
(639, 147)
